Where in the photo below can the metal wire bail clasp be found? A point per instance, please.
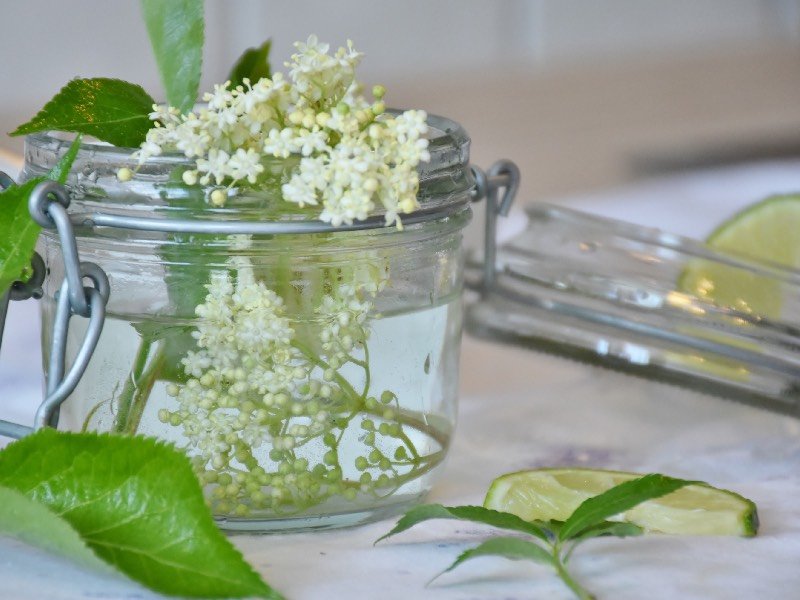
(502, 175)
(48, 207)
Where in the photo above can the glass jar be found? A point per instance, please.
(310, 377)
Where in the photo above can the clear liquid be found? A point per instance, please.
(412, 358)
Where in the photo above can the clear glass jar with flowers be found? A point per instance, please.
(302, 350)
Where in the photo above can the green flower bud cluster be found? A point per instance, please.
(269, 421)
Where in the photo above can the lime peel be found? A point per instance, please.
(554, 494)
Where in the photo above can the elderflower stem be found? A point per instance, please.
(404, 417)
(313, 358)
(132, 383)
(136, 392)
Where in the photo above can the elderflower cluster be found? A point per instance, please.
(244, 351)
(354, 157)
(264, 407)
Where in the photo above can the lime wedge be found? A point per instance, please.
(766, 230)
(554, 494)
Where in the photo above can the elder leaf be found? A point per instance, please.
(176, 33)
(60, 172)
(111, 110)
(18, 231)
(253, 64)
(137, 504)
(35, 524)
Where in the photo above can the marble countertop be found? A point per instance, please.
(518, 409)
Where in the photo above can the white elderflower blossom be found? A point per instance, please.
(281, 143)
(245, 164)
(215, 166)
(355, 158)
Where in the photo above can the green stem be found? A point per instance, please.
(423, 464)
(137, 389)
(409, 444)
(367, 375)
(149, 379)
(313, 358)
(561, 569)
(430, 461)
(404, 417)
(131, 385)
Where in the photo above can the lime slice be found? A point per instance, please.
(767, 231)
(554, 494)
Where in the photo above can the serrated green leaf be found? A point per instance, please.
(137, 504)
(175, 28)
(18, 233)
(60, 172)
(505, 547)
(253, 64)
(35, 524)
(111, 110)
(616, 500)
(475, 514)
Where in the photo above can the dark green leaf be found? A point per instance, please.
(253, 64)
(137, 504)
(109, 109)
(476, 514)
(617, 500)
(37, 525)
(506, 547)
(60, 172)
(176, 34)
(609, 528)
(18, 233)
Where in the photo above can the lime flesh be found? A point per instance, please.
(767, 231)
(554, 494)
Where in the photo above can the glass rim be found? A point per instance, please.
(445, 182)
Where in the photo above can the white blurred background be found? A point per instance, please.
(583, 94)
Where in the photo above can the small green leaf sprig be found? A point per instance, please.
(550, 542)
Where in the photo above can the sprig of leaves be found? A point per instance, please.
(552, 543)
(133, 502)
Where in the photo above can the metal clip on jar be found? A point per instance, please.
(309, 372)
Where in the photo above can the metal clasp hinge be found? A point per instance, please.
(48, 207)
(502, 175)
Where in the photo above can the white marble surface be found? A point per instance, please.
(518, 410)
